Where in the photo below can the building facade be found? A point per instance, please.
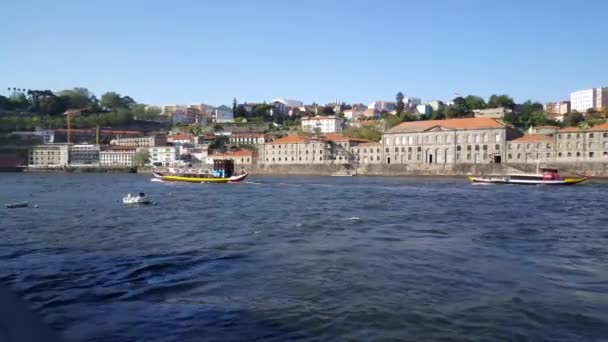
(326, 149)
(118, 157)
(594, 98)
(494, 113)
(147, 141)
(224, 114)
(49, 155)
(557, 108)
(530, 149)
(239, 157)
(249, 138)
(576, 144)
(327, 124)
(83, 155)
(163, 155)
(469, 140)
(368, 153)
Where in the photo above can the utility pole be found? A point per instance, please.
(97, 135)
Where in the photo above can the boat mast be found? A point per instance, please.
(537, 166)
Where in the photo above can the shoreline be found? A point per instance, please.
(592, 170)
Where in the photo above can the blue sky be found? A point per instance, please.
(188, 51)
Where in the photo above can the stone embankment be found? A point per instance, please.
(599, 170)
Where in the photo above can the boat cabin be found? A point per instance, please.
(223, 168)
(550, 174)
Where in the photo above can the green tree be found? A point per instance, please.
(142, 158)
(505, 101)
(78, 97)
(573, 119)
(111, 100)
(400, 105)
(475, 102)
(458, 109)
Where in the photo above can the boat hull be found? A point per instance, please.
(507, 180)
(189, 179)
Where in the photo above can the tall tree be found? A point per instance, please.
(475, 102)
(400, 105)
(234, 105)
(505, 101)
(77, 97)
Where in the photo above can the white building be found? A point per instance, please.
(224, 114)
(382, 106)
(147, 141)
(594, 98)
(327, 124)
(494, 113)
(557, 108)
(47, 136)
(289, 103)
(436, 105)
(83, 155)
(163, 155)
(424, 109)
(49, 155)
(118, 157)
(411, 102)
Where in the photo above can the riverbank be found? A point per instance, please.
(591, 169)
(599, 170)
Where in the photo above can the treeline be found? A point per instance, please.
(26, 109)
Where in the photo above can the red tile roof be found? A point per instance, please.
(533, 138)
(599, 128)
(181, 136)
(453, 124)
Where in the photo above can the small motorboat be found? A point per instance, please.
(17, 205)
(139, 199)
(547, 176)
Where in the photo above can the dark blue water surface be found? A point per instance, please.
(308, 258)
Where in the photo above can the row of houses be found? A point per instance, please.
(452, 141)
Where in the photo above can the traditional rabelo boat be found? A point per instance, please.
(222, 172)
(546, 176)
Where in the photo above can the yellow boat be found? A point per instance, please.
(222, 172)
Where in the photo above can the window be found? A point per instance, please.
(559, 154)
(409, 156)
(388, 142)
(605, 135)
(387, 150)
(468, 156)
(548, 155)
(485, 147)
(476, 147)
(590, 135)
(419, 149)
(468, 147)
(396, 149)
(569, 136)
(409, 149)
(538, 146)
(510, 156)
(578, 154)
(458, 148)
(497, 138)
(486, 138)
(497, 147)
(519, 156)
(590, 154)
(403, 149)
(569, 154)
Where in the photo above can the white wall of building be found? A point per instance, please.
(327, 124)
(582, 100)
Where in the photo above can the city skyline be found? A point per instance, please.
(312, 51)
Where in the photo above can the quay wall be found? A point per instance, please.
(593, 169)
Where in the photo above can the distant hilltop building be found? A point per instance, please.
(557, 108)
(493, 113)
(594, 98)
(326, 124)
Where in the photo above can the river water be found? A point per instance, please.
(330, 258)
